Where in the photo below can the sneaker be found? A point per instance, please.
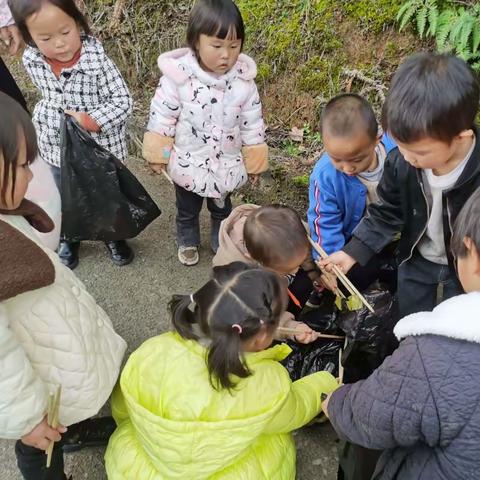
(68, 253)
(93, 432)
(120, 253)
(188, 256)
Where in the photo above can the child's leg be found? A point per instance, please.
(32, 463)
(189, 205)
(218, 212)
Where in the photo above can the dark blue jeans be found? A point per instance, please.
(422, 285)
(32, 462)
(189, 205)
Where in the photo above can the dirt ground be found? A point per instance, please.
(135, 297)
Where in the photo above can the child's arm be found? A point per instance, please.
(303, 402)
(23, 396)
(117, 101)
(324, 216)
(391, 408)
(164, 112)
(252, 130)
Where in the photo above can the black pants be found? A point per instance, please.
(422, 285)
(189, 205)
(9, 86)
(32, 462)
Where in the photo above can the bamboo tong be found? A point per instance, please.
(341, 276)
(52, 418)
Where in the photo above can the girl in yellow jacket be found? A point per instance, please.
(211, 400)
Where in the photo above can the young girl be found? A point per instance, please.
(206, 121)
(74, 77)
(421, 405)
(212, 400)
(52, 332)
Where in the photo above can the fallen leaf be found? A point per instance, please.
(296, 134)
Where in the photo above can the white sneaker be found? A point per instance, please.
(188, 256)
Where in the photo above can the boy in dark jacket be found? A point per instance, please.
(430, 113)
(421, 404)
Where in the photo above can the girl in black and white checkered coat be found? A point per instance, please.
(74, 76)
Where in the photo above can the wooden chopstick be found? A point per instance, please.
(52, 419)
(341, 276)
(167, 176)
(337, 291)
(295, 331)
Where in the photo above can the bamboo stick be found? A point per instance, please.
(341, 276)
(167, 176)
(52, 419)
(295, 331)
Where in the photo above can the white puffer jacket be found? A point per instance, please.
(50, 336)
(207, 120)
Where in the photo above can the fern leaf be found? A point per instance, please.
(432, 19)
(466, 30)
(408, 15)
(457, 27)
(443, 28)
(403, 9)
(476, 35)
(422, 20)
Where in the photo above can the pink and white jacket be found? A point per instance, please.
(208, 129)
(6, 18)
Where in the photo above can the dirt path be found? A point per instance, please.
(135, 297)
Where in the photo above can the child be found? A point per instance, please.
(52, 332)
(74, 77)
(344, 180)
(206, 121)
(430, 112)
(274, 237)
(421, 405)
(212, 400)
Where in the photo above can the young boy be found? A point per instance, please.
(344, 180)
(430, 112)
(274, 237)
(421, 405)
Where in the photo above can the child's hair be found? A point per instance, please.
(214, 18)
(345, 114)
(23, 9)
(14, 122)
(274, 232)
(232, 307)
(431, 95)
(467, 225)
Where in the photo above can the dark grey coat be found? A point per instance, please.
(422, 405)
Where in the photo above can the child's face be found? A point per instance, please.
(469, 267)
(218, 55)
(22, 179)
(291, 264)
(55, 34)
(352, 156)
(430, 153)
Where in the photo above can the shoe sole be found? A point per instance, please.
(71, 266)
(122, 263)
(186, 263)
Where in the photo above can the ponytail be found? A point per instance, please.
(183, 318)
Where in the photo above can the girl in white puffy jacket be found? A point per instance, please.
(52, 332)
(206, 123)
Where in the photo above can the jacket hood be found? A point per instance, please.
(187, 421)
(231, 244)
(455, 318)
(181, 64)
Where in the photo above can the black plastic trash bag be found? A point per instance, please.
(101, 198)
(370, 335)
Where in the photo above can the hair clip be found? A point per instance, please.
(238, 328)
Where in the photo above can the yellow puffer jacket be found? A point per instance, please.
(173, 425)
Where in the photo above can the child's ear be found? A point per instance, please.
(466, 133)
(473, 253)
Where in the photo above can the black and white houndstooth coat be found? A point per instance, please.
(94, 85)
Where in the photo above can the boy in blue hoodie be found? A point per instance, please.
(345, 179)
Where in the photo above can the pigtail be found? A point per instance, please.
(183, 318)
(225, 358)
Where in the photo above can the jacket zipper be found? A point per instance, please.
(424, 229)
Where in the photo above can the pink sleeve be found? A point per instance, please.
(6, 18)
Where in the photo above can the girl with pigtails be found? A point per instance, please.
(211, 399)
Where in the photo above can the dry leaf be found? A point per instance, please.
(296, 134)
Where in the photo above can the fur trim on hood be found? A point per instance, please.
(456, 318)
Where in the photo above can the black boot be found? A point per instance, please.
(120, 253)
(68, 253)
(94, 432)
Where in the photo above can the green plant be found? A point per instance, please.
(455, 28)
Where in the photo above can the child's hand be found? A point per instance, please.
(11, 38)
(42, 434)
(303, 333)
(327, 280)
(253, 179)
(325, 405)
(157, 168)
(340, 259)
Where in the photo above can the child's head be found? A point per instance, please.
(466, 243)
(430, 108)
(276, 238)
(216, 34)
(237, 311)
(18, 149)
(350, 133)
(53, 26)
